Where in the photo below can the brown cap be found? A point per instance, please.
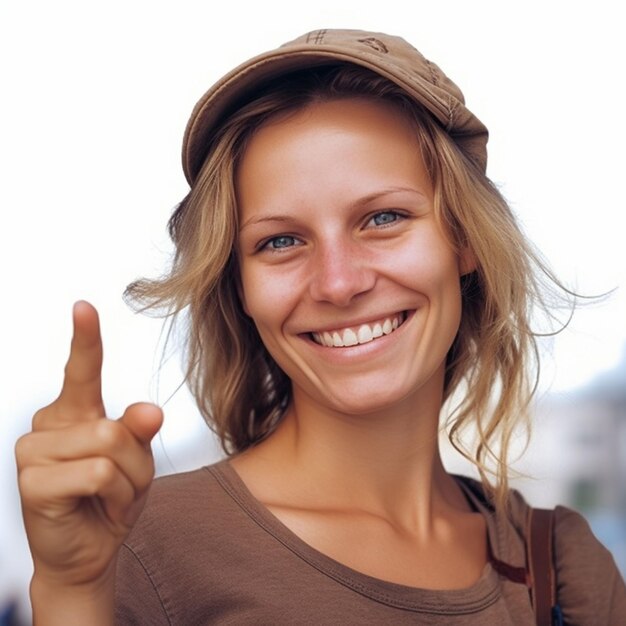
(391, 57)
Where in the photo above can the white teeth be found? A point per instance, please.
(364, 334)
(349, 338)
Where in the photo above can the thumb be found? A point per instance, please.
(143, 420)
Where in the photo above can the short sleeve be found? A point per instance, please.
(136, 599)
(590, 588)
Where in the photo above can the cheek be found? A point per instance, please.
(431, 269)
(427, 265)
(265, 296)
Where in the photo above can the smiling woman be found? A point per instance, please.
(345, 266)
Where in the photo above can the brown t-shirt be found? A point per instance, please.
(205, 551)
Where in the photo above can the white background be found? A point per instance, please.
(95, 97)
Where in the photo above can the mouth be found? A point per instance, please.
(357, 335)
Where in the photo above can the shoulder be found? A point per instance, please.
(590, 587)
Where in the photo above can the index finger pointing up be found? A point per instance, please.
(81, 396)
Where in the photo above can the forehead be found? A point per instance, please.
(333, 145)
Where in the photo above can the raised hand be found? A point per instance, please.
(83, 478)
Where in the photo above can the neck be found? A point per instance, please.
(386, 463)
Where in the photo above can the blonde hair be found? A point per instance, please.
(240, 390)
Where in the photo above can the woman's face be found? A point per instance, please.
(348, 277)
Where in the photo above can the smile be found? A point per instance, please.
(353, 336)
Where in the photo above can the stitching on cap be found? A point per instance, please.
(453, 106)
(316, 36)
(434, 77)
(449, 101)
(374, 43)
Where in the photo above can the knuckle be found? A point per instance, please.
(102, 472)
(41, 417)
(27, 482)
(23, 449)
(69, 371)
(109, 433)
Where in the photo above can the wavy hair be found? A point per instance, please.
(239, 389)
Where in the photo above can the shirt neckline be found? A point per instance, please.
(484, 592)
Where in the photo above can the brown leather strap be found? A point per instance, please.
(541, 564)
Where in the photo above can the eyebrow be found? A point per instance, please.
(360, 202)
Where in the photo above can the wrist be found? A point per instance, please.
(54, 602)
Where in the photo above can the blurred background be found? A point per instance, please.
(96, 97)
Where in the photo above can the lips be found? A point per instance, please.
(356, 335)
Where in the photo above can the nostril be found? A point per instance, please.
(339, 282)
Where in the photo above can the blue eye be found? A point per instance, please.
(281, 242)
(385, 217)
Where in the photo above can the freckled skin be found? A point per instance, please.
(312, 172)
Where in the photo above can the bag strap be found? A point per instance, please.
(540, 559)
(539, 575)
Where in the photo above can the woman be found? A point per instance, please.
(346, 267)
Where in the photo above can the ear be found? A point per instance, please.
(467, 261)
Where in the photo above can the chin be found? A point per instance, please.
(368, 401)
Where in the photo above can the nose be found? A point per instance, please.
(340, 273)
